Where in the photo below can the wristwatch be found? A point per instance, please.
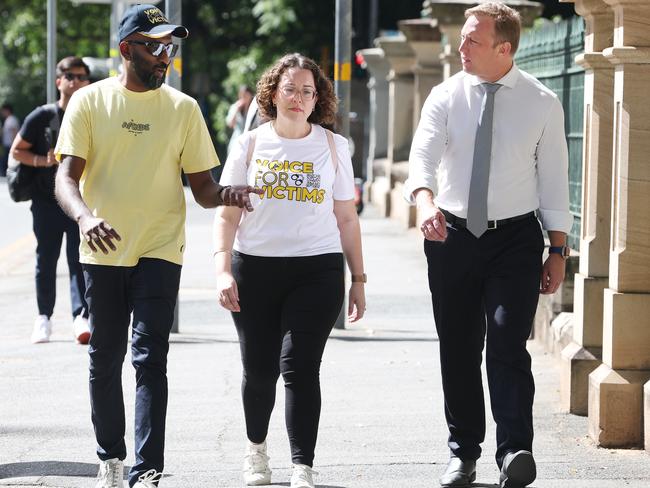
(564, 251)
(362, 278)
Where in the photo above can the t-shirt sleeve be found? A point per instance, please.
(198, 151)
(235, 170)
(32, 126)
(75, 135)
(344, 180)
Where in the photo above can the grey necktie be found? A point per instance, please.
(477, 216)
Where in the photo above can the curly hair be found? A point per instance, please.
(326, 103)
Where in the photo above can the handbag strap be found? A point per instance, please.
(251, 148)
(330, 141)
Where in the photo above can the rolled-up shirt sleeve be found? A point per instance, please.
(428, 145)
(552, 173)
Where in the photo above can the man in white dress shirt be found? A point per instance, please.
(486, 282)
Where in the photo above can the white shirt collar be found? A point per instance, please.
(509, 79)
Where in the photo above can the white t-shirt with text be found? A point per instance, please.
(295, 215)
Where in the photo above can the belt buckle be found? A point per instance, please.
(491, 224)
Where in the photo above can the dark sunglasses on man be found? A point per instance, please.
(72, 76)
(156, 48)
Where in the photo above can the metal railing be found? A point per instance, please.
(548, 53)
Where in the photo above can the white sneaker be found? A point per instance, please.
(149, 480)
(81, 329)
(302, 476)
(42, 330)
(256, 465)
(111, 473)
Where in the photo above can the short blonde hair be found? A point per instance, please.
(507, 22)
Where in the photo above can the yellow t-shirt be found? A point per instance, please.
(135, 145)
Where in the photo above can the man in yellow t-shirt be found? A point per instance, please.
(122, 146)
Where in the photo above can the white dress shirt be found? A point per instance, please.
(529, 161)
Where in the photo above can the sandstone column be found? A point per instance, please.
(582, 356)
(616, 386)
(378, 68)
(400, 57)
(423, 36)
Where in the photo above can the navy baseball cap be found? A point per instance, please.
(148, 20)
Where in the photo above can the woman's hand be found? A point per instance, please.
(356, 301)
(227, 292)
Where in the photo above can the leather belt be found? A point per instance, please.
(492, 224)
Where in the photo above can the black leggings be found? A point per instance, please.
(288, 308)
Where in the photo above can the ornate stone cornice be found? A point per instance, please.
(593, 61)
(453, 11)
(585, 8)
(627, 55)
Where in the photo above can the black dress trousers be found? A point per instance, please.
(485, 291)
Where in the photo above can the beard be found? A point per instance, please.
(146, 72)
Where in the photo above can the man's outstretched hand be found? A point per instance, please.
(239, 196)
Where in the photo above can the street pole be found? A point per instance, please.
(373, 22)
(342, 75)
(342, 67)
(173, 12)
(51, 51)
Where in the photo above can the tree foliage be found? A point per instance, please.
(82, 30)
(244, 38)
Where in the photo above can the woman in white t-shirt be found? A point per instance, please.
(281, 266)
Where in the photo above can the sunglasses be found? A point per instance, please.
(156, 48)
(72, 76)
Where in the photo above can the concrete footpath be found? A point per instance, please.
(382, 423)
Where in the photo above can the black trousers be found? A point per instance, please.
(288, 309)
(485, 291)
(148, 290)
(50, 224)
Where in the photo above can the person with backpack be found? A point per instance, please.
(33, 147)
(280, 269)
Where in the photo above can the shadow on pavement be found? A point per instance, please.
(383, 339)
(315, 484)
(49, 468)
(176, 338)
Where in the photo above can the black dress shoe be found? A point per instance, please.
(518, 470)
(459, 473)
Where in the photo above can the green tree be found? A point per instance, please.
(82, 30)
(231, 46)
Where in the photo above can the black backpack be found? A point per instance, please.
(20, 177)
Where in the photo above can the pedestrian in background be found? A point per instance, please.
(253, 117)
(280, 270)
(123, 144)
(34, 146)
(10, 128)
(483, 242)
(236, 117)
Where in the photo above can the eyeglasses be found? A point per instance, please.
(307, 94)
(72, 76)
(156, 48)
